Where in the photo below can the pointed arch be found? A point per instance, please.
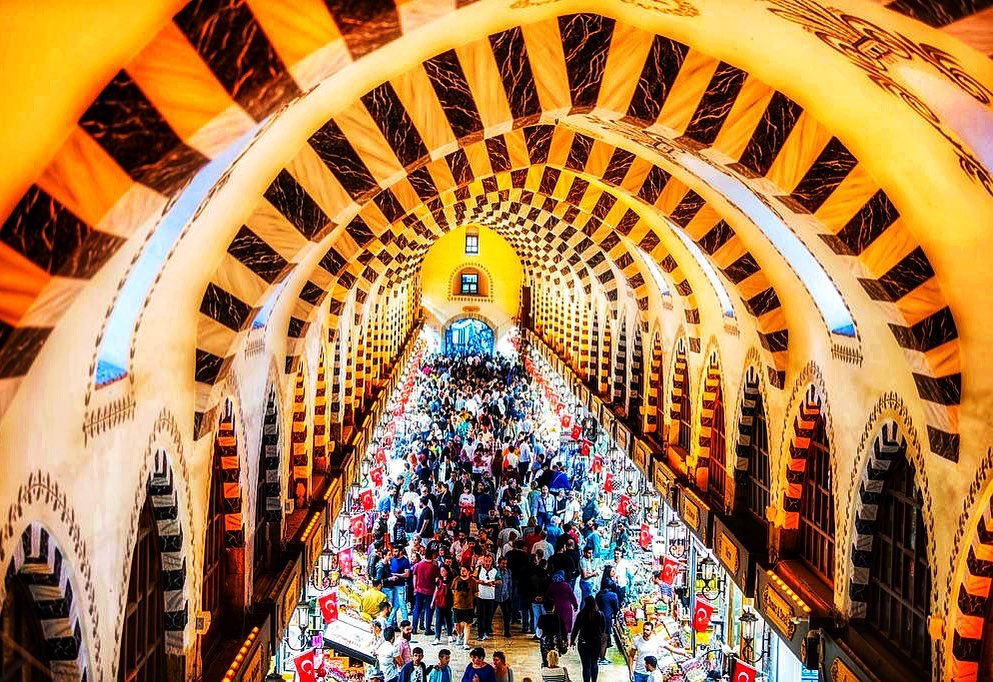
(635, 382)
(711, 471)
(654, 386)
(299, 443)
(227, 470)
(753, 466)
(620, 393)
(680, 411)
(320, 433)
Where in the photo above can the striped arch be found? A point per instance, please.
(888, 448)
(751, 399)
(619, 393)
(165, 505)
(636, 380)
(972, 603)
(299, 450)
(269, 456)
(606, 357)
(711, 462)
(335, 418)
(39, 563)
(804, 424)
(229, 467)
(320, 441)
(593, 380)
(679, 397)
(654, 387)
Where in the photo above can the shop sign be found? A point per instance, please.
(608, 422)
(664, 479)
(623, 437)
(286, 594)
(642, 457)
(734, 556)
(782, 609)
(694, 514)
(842, 673)
(841, 666)
(257, 666)
(318, 537)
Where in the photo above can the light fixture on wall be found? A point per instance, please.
(709, 574)
(749, 621)
(675, 536)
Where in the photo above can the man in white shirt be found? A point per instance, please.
(544, 545)
(645, 644)
(487, 578)
(623, 572)
(388, 656)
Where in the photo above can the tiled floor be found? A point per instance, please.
(523, 656)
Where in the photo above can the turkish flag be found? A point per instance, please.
(365, 499)
(702, 615)
(376, 474)
(304, 663)
(743, 672)
(669, 568)
(329, 607)
(645, 537)
(608, 483)
(357, 526)
(622, 505)
(585, 448)
(597, 465)
(381, 456)
(345, 560)
(566, 421)
(577, 432)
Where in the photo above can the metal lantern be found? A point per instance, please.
(707, 568)
(303, 615)
(748, 619)
(675, 536)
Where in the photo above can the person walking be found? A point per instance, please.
(426, 574)
(561, 594)
(501, 669)
(414, 670)
(442, 604)
(443, 671)
(478, 669)
(504, 595)
(463, 604)
(587, 637)
(388, 657)
(552, 632)
(487, 579)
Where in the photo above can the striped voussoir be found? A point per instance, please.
(320, 443)
(229, 467)
(654, 387)
(804, 425)
(299, 442)
(620, 366)
(269, 460)
(165, 508)
(606, 358)
(40, 564)
(888, 448)
(710, 401)
(751, 400)
(970, 610)
(680, 393)
(637, 378)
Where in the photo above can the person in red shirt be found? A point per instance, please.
(426, 574)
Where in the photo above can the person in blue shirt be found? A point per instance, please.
(441, 672)
(396, 585)
(606, 599)
(559, 480)
(478, 669)
(553, 530)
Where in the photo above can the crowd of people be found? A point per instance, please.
(481, 511)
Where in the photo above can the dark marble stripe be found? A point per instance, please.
(576, 192)
(627, 223)
(579, 152)
(311, 293)
(394, 122)
(742, 268)
(684, 288)
(717, 237)
(389, 205)
(934, 330)
(422, 182)
(649, 241)
(450, 85)
(864, 227)
(769, 137)
(496, 148)
(366, 26)
(458, 163)
(913, 270)
(360, 231)
(292, 200)
(338, 154)
(586, 43)
(295, 328)
(939, 13)
(253, 252)
(687, 208)
(539, 141)
(832, 165)
(665, 58)
(53, 238)
(668, 264)
(763, 302)
(132, 131)
(775, 342)
(230, 40)
(945, 390)
(618, 166)
(511, 56)
(604, 204)
(19, 346)
(944, 444)
(716, 103)
(653, 185)
(332, 261)
(549, 178)
(518, 177)
(489, 184)
(224, 307)
(692, 315)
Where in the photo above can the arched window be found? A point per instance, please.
(817, 505)
(143, 637)
(758, 497)
(267, 491)
(717, 464)
(212, 592)
(23, 650)
(681, 399)
(900, 577)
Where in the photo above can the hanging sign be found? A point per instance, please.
(696, 514)
(734, 556)
(783, 609)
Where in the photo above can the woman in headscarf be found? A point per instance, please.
(560, 593)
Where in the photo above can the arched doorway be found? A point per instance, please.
(468, 336)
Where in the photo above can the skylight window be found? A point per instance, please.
(655, 271)
(708, 270)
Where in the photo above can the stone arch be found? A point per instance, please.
(711, 463)
(299, 488)
(40, 563)
(751, 403)
(320, 431)
(810, 409)
(972, 600)
(637, 379)
(680, 410)
(655, 386)
(228, 465)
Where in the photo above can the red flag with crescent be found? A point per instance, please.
(701, 617)
(584, 449)
(623, 505)
(365, 499)
(376, 474)
(357, 525)
(346, 559)
(566, 421)
(743, 672)
(645, 536)
(597, 465)
(329, 607)
(304, 663)
(608, 482)
(669, 568)
(381, 456)
(577, 432)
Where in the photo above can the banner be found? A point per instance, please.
(366, 500)
(623, 506)
(357, 526)
(645, 536)
(346, 559)
(669, 569)
(743, 672)
(329, 607)
(702, 615)
(304, 663)
(608, 482)
(376, 474)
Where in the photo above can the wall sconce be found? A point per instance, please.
(675, 536)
